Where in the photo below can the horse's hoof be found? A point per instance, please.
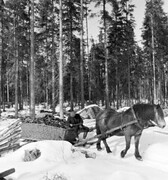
(139, 158)
(108, 150)
(84, 136)
(122, 154)
(84, 145)
(99, 149)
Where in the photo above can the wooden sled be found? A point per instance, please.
(37, 132)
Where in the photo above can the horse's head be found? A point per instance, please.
(159, 116)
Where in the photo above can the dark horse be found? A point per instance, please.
(129, 123)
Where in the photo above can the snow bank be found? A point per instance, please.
(51, 150)
(122, 109)
(53, 153)
(57, 158)
(123, 175)
(157, 152)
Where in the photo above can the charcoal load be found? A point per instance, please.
(48, 120)
(48, 127)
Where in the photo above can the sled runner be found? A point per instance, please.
(6, 173)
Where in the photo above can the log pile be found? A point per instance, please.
(10, 133)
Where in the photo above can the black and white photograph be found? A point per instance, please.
(83, 89)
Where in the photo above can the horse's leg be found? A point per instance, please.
(85, 134)
(128, 141)
(106, 145)
(137, 155)
(98, 144)
(85, 130)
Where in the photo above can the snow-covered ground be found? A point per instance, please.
(60, 160)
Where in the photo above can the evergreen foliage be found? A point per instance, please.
(130, 75)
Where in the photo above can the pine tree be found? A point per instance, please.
(155, 44)
(121, 47)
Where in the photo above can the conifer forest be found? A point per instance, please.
(47, 55)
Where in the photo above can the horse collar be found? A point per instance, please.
(133, 112)
(135, 118)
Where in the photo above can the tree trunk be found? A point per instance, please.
(20, 86)
(53, 62)
(128, 68)
(117, 86)
(87, 44)
(1, 58)
(71, 90)
(1, 52)
(106, 56)
(153, 57)
(32, 66)
(81, 56)
(87, 31)
(90, 72)
(16, 80)
(129, 83)
(61, 97)
(27, 85)
(7, 87)
(16, 69)
(46, 88)
(28, 60)
(20, 92)
(71, 57)
(46, 74)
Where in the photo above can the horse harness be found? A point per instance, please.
(138, 123)
(134, 121)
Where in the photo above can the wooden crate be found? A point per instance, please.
(34, 131)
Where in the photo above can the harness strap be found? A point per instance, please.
(121, 127)
(135, 120)
(133, 112)
(76, 124)
(138, 123)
